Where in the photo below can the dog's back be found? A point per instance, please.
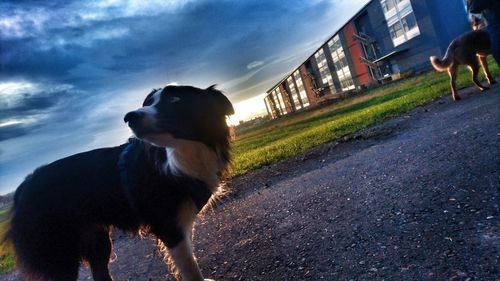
(54, 204)
(471, 49)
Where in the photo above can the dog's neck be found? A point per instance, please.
(196, 160)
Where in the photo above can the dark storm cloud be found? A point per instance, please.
(86, 63)
(209, 39)
(99, 50)
(31, 103)
(24, 58)
(36, 3)
(16, 130)
(26, 111)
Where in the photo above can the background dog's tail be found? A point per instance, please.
(440, 65)
(447, 61)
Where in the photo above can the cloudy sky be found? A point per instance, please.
(70, 70)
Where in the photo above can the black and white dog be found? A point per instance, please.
(159, 181)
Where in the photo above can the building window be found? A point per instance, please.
(387, 5)
(270, 107)
(400, 19)
(294, 93)
(301, 88)
(279, 98)
(286, 97)
(341, 65)
(274, 96)
(324, 72)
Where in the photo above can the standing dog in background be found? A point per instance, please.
(466, 49)
(159, 181)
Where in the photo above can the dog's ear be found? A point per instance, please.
(222, 102)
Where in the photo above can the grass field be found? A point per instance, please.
(7, 258)
(279, 139)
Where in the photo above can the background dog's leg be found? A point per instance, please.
(484, 66)
(452, 71)
(474, 68)
(97, 249)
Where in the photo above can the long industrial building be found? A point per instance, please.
(383, 40)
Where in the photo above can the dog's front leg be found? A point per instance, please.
(183, 258)
(182, 253)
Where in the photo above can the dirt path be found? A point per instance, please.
(415, 198)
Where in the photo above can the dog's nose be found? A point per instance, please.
(133, 116)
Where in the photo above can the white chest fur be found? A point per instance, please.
(196, 160)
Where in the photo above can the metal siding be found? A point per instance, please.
(421, 47)
(372, 23)
(450, 26)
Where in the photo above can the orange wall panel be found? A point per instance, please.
(356, 51)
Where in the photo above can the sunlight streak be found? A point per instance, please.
(248, 109)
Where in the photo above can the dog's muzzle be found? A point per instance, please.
(135, 122)
(133, 117)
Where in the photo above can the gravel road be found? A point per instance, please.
(414, 198)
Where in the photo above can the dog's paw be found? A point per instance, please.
(456, 98)
(208, 279)
(492, 81)
(484, 88)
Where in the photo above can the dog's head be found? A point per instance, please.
(182, 112)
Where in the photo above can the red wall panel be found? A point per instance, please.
(355, 50)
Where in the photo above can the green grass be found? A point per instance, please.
(7, 256)
(288, 136)
(3, 213)
(7, 260)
